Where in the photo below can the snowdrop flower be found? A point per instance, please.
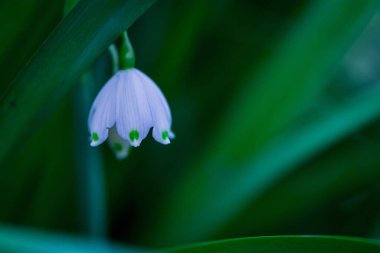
(126, 108)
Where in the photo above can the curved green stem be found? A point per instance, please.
(126, 53)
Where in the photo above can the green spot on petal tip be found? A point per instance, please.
(134, 135)
(165, 135)
(95, 136)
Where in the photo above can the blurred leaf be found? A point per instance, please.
(23, 241)
(221, 183)
(16, 19)
(29, 241)
(75, 43)
(286, 244)
(292, 78)
(347, 168)
(177, 51)
(305, 141)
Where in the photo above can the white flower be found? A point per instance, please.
(128, 105)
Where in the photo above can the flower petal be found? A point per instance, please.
(103, 112)
(133, 119)
(160, 110)
(118, 145)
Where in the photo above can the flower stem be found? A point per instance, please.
(126, 53)
(89, 163)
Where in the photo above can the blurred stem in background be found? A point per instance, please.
(89, 162)
(114, 57)
(89, 165)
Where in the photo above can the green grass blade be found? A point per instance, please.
(218, 186)
(293, 77)
(23, 241)
(16, 18)
(286, 244)
(346, 169)
(182, 36)
(14, 240)
(70, 49)
(299, 145)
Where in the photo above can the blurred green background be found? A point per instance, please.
(275, 106)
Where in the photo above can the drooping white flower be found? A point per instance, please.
(128, 105)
